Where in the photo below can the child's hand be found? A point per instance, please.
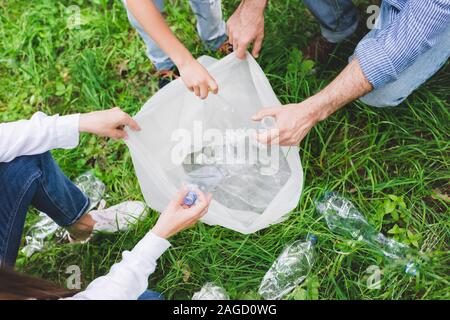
(178, 216)
(197, 79)
(107, 123)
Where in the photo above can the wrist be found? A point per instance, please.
(84, 122)
(183, 59)
(160, 233)
(320, 108)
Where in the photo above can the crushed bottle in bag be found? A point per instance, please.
(210, 291)
(45, 227)
(289, 270)
(246, 175)
(343, 218)
(204, 179)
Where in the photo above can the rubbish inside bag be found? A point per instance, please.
(344, 219)
(247, 186)
(45, 227)
(210, 291)
(289, 270)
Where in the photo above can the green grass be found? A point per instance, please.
(365, 153)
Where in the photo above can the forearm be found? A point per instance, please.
(128, 278)
(151, 20)
(348, 86)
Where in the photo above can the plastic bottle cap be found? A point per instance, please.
(190, 198)
(268, 122)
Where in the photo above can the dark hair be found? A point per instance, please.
(18, 286)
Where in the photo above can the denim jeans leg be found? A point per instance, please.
(38, 181)
(57, 196)
(425, 66)
(210, 24)
(17, 188)
(159, 58)
(338, 18)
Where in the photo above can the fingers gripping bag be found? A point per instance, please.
(211, 143)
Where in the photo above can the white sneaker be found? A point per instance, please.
(118, 217)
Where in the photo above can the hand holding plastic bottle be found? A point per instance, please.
(178, 216)
(293, 122)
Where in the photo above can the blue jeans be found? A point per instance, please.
(37, 181)
(210, 27)
(151, 295)
(338, 18)
(426, 65)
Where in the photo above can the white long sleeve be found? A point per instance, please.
(39, 134)
(128, 279)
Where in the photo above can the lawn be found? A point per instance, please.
(378, 158)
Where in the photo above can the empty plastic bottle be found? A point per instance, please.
(38, 233)
(289, 269)
(204, 179)
(268, 122)
(344, 219)
(92, 187)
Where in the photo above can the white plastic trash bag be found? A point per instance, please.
(178, 127)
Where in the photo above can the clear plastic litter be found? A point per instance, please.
(246, 185)
(204, 179)
(210, 291)
(45, 227)
(38, 233)
(250, 196)
(289, 270)
(92, 187)
(344, 219)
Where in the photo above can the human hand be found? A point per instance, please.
(246, 26)
(293, 122)
(197, 79)
(178, 216)
(107, 123)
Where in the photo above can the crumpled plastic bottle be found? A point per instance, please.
(244, 186)
(38, 233)
(344, 219)
(211, 291)
(289, 270)
(92, 187)
(45, 227)
(204, 179)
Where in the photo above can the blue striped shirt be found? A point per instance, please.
(413, 27)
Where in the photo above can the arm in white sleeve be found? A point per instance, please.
(39, 134)
(128, 279)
